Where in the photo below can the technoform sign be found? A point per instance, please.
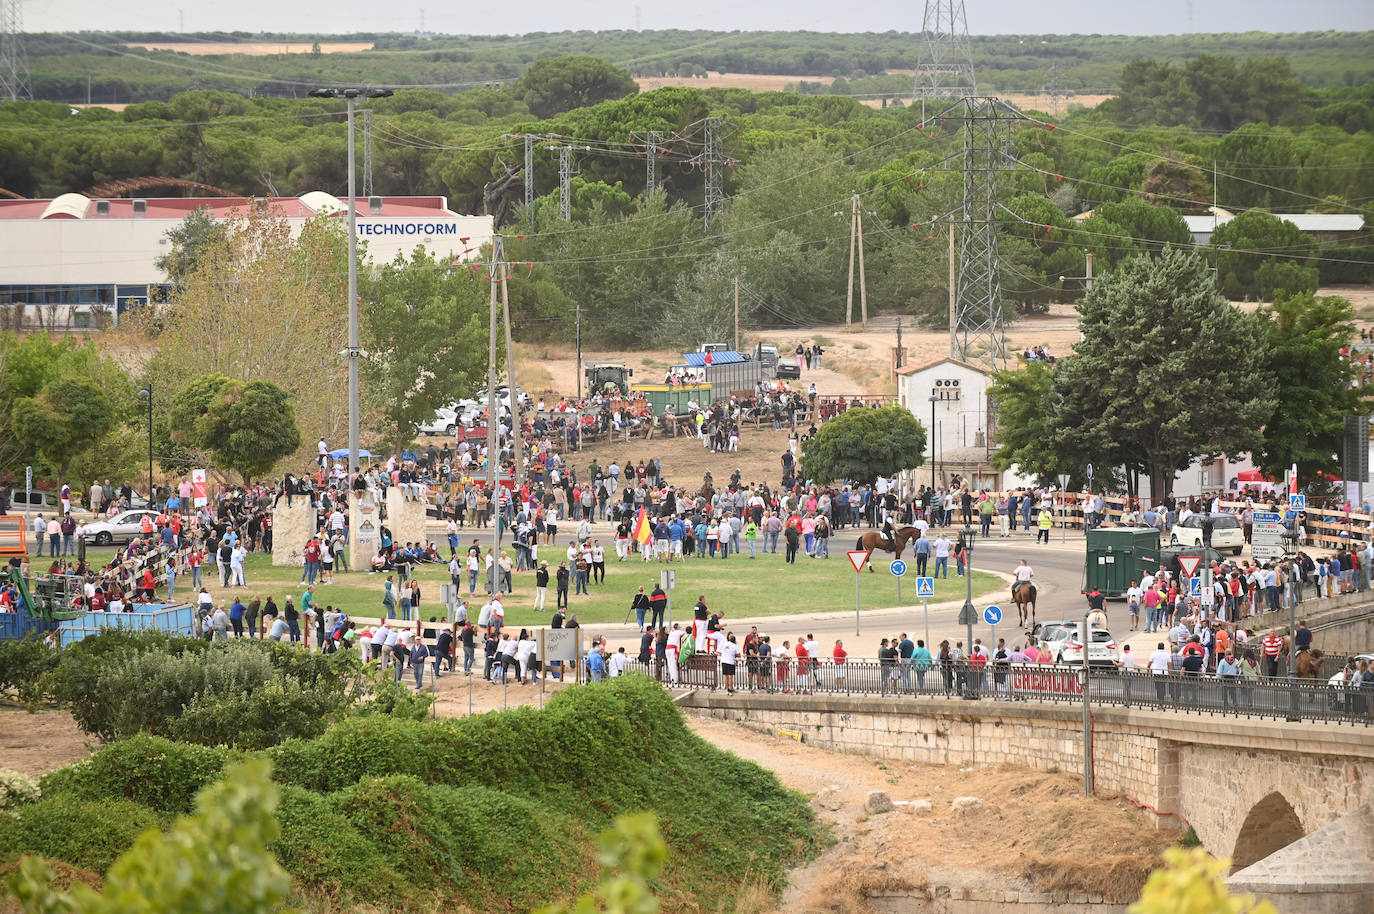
(407, 228)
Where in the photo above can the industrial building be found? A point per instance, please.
(76, 262)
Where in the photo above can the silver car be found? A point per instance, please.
(121, 528)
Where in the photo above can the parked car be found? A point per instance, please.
(35, 500)
(1064, 642)
(119, 529)
(503, 397)
(445, 422)
(1226, 532)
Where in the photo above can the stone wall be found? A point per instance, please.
(1209, 771)
(404, 518)
(291, 529)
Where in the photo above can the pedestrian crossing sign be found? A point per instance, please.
(1195, 587)
(1297, 501)
(925, 587)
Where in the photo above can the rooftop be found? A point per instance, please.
(314, 203)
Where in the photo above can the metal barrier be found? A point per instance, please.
(1288, 699)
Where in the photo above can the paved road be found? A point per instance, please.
(1058, 574)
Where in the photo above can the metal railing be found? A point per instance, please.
(1203, 694)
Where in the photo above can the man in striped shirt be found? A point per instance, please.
(1273, 646)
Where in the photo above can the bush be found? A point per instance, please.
(149, 770)
(72, 829)
(23, 663)
(15, 790)
(1285, 276)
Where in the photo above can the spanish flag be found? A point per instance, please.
(643, 531)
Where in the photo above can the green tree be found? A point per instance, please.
(425, 331)
(243, 427)
(189, 239)
(863, 444)
(1249, 241)
(215, 859)
(1305, 336)
(65, 420)
(1167, 370)
(559, 84)
(1025, 422)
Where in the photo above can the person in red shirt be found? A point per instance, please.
(194, 559)
(840, 655)
(148, 585)
(803, 665)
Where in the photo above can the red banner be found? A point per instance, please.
(1047, 681)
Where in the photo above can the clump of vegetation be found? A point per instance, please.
(496, 812)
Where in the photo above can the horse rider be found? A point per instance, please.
(1097, 608)
(889, 532)
(1022, 575)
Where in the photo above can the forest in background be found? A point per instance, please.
(111, 68)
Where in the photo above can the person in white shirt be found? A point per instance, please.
(729, 653)
(526, 650)
(236, 565)
(674, 645)
(393, 637)
(379, 636)
(619, 660)
(1159, 667)
(1134, 594)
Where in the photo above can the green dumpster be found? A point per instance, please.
(1119, 555)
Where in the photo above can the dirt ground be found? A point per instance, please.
(37, 743)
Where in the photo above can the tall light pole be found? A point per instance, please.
(968, 614)
(933, 398)
(147, 394)
(354, 351)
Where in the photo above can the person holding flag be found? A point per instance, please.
(643, 533)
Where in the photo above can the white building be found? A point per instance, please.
(72, 257)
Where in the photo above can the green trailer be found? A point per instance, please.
(1119, 555)
(660, 395)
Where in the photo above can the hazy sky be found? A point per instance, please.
(985, 17)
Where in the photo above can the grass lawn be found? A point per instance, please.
(766, 586)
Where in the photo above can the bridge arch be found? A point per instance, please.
(1270, 825)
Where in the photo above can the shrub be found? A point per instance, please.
(149, 770)
(69, 828)
(23, 663)
(15, 790)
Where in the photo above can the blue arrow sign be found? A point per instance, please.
(925, 587)
(1195, 587)
(992, 615)
(898, 568)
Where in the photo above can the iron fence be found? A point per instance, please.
(1204, 694)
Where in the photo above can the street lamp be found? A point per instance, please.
(968, 614)
(147, 394)
(353, 352)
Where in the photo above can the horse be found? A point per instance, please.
(1023, 595)
(874, 539)
(1308, 664)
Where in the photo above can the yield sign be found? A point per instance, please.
(858, 559)
(1189, 564)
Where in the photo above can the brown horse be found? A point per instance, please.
(1308, 664)
(874, 539)
(1023, 595)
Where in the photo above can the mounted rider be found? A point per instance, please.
(1022, 574)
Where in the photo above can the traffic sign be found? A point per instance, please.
(1297, 501)
(898, 568)
(1269, 517)
(1195, 587)
(1189, 564)
(992, 615)
(858, 558)
(925, 587)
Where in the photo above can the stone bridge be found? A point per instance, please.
(1248, 787)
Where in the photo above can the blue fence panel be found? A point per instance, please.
(16, 625)
(178, 619)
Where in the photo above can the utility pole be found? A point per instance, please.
(651, 167)
(565, 184)
(953, 298)
(367, 152)
(516, 441)
(863, 282)
(579, 350)
(529, 178)
(715, 194)
(853, 241)
(497, 268)
(899, 342)
(737, 314)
